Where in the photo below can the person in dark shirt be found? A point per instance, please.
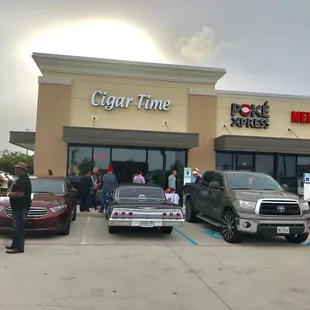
(85, 192)
(20, 201)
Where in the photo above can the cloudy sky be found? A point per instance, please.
(264, 45)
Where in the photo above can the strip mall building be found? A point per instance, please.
(156, 117)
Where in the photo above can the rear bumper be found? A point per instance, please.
(269, 226)
(138, 222)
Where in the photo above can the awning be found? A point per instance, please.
(24, 139)
(262, 144)
(120, 137)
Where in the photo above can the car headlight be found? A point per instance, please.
(1, 208)
(58, 208)
(247, 204)
(304, 205)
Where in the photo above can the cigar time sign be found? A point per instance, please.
(142, 101)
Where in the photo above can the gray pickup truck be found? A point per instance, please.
(241, 202)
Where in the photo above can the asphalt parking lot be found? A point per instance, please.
(193, 268)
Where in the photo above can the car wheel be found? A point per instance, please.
(74, 214)
(66, 231)
(297, 238)
(190, 214)
(166, 230)
(229, 228)
(113, 229)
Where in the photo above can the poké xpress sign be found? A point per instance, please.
(250, 115)
(143, 101)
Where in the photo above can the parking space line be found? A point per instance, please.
(181, 233)
(86, 231)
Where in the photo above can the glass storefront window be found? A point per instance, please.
(303, 166)
(129, 155)
(287, 172)
(224, 161)
(155, 167)
(245, 162)
(175, 160)
(264, 163)
(101, 158)
(80, 160)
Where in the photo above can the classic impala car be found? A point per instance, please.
(142, 205)
(52, 210)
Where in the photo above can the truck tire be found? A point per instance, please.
(166, 230)
(229, 228)
(190, 214)
(298, 238)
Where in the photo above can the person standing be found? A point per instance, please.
(85, 189)
(108, 184)
(95, 180)
(139, 178)
(172, 181)
(196, 175)
(20, 201)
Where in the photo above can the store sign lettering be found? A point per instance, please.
(300, 117)
(144, 101)
(250, 115)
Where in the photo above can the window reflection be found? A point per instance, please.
(80, 160)
(155, 167)
(128, 155)
(101, 158)
(303, 166)
(287, 172)
(245, 162)
(224, 161)
(264, 163)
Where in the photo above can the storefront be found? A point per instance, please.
(155, 118)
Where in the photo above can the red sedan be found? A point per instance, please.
(53, 206)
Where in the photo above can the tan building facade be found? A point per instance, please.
(155, 117)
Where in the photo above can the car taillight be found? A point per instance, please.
(115, 213)
(178, 214)
(130, 213)
(171, 214)
(123, 213)
(164, 214)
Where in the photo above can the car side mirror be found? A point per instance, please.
(215, 185)
(73, 191)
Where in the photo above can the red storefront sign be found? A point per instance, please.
(300, 117)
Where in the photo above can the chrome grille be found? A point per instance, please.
(279, 207)
(34, 213)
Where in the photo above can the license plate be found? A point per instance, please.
(147, 224)
(283, 230)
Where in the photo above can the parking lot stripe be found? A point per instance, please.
(193, 242)
(85, 231)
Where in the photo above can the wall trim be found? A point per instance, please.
(54, 80)
(229, 93)
(202, 91)
(127, 69)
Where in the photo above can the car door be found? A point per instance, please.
(202, 198)
(216, 197)
(70, 197)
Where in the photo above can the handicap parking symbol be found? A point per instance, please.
(213, 234)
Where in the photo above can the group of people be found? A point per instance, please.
(89, 186)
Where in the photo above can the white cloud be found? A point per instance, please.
(202, 47)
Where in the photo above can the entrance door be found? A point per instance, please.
(125, 170)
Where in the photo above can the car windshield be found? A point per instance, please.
(50, 186)
(252, 181)
(141, 193)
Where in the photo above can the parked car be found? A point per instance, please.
(142, 205)
(53, 206)
(3, 181)
(247, 202)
